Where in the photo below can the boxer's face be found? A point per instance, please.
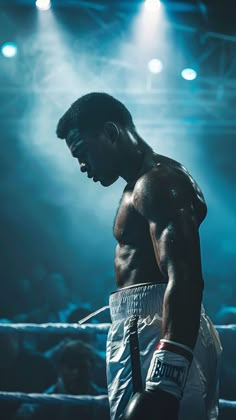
(96, 155)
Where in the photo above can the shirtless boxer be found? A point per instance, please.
(162, 350)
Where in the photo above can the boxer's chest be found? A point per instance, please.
(129, 226)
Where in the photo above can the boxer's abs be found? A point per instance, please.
(135, 265)
(135, 260)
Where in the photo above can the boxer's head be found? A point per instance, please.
(92, 128)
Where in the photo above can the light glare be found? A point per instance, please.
(189, 74)
(9, 49)
(43, 4)
(152, 5)
(155, 66)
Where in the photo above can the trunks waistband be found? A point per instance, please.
(139, 300)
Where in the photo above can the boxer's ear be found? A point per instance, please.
(112, 131)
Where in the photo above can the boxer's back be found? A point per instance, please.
(135, 261)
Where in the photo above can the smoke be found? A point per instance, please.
(51, 212)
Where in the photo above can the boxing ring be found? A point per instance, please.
(74, 330)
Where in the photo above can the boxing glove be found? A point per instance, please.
(165, 383)
(152, 405)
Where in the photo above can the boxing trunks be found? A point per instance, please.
(135, 331)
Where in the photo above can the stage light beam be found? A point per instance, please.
(9, 49)
(43, 4)
(189, 74)
(152, 5)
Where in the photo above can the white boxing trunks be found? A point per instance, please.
(135, 331)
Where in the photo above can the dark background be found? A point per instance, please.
(54, 220)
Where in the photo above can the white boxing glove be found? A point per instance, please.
(169, 368)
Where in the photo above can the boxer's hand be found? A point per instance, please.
(152, 405)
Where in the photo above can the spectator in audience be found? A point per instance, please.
(77, 376)
(21, 370)
(52, 301)
(76, 368)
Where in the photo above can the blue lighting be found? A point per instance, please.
(9, 49)
(152, 5)
(155, 66)
(189, 74)
(43, 4)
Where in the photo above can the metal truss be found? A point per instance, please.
(212, 102)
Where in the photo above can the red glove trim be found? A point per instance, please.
(174, 348)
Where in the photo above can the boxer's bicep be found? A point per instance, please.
(177, 251)
(177, 247)
(167, 208)
(175, 239)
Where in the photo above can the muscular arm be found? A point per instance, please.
(165, 203)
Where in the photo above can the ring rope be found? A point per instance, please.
(63, 328)
(55, 399)
(228, 404)
(80, 400)
(231, 327)
(57, 328)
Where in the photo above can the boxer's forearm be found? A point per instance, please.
(181, 311)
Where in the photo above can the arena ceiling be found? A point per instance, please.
(217, 14)
(202, 32)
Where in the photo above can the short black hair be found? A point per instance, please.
(75, 353)
(91, 111)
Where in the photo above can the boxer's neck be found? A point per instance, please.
(137, 158)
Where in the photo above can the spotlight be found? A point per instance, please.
(43, 4)
(189, 74)
(9, 49)
(152, 5)
(155, 66)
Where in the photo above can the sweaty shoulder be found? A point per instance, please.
(165, 191)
